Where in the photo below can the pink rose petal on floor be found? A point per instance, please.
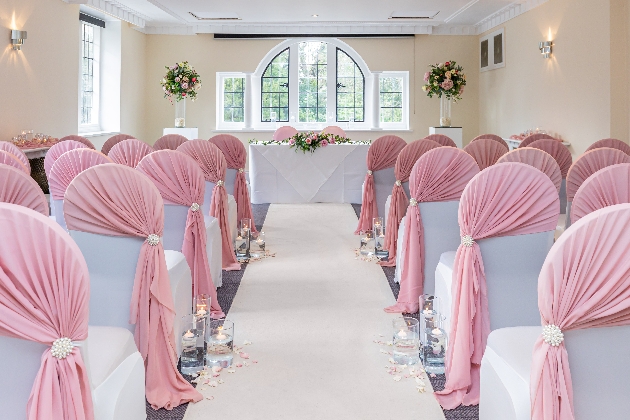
(239, 365)
(254, 361)
(244, 355)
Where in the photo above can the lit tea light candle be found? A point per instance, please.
(402, 334)
(202, 312)
(220, 335)
(436, 331)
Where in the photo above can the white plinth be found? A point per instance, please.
(191, 133)
(455, 133)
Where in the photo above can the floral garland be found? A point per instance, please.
(446, 79)
(310, 141)
(181, 82)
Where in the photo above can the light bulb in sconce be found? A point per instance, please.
(17, 39)
(545, 48)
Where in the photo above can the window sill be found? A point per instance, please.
(98, 133)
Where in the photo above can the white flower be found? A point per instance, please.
(447, 74)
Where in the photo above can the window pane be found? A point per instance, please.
(312, 81)
(233, 93)
(350, 83)
(391, 99)
(275, 88)
(87, 87)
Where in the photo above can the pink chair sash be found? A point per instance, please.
(606, 187)
(43, 305)
(80, 139)
(486, 152)
(334, 130)
(236, 155)
(59, 149)
(504, 200)
(405, 161)
(69, 165)
(117, 200)
(612, 143)
(169, 141)
(533, 137)
(180, 181)
(442, 139)
(589, 163)
(114, 140)
(7, 158)
(382, 154)
(129, 152)
(284, 133)
(558, 151)
(439, 175)
(537, 158)
(18, 188)
(583, 283)
(213, 164)
(492, 137)
(15, 151)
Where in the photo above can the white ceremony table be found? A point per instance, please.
(332, 174)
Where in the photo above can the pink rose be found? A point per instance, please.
(292, 142)
(447, 84)
(184, 85)
(426, 76)
(332, 140)
(308, 140)
(461, 90)
(324, 143)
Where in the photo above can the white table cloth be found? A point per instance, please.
(333, 174)
(37, 153)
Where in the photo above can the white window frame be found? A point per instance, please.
(229, 125)
(404, 125)
(96, 93)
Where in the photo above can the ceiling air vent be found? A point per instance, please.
(215, 15)
(413, 15)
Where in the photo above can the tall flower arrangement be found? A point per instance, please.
(181, 82)
(445, 79)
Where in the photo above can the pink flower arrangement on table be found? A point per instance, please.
(445, 79)
(181, 82)
(310, 141)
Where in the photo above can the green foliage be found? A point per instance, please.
(181, 81)
(446, 79)
(310, 141)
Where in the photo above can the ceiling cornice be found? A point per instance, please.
(115, 9)
(507, 13)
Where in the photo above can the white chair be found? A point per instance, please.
(232, 214)
(56, 212)
(405, 186)
(383, 183)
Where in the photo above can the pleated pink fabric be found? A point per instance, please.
(15, 151)
(506, 199)
(606, 187)
(117, 200)
(533, 137)
(439, 175)
(399, 202)
(612, 143)
(80, 139)
(492, 137)
(334, 130)
(69, 165)
(129, 152)
(236, 155)
(442, 139)
(486, 152)
(7, 158)
(284, 133)
(44, 296)
(59, 149)
(180, 181)
(559, 151)
(537, 158)
(114, 140)
(213, 164)
(169, 141)
(584, 283)
(589, 163)
(18, 188)
(382, 154)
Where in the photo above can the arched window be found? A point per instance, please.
(275, 89)
(350, 89)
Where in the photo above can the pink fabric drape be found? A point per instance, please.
(69, 165)
(58, 150)
(284, 133)
(583, 283)
(129, 152)
(7, 158)
(117, 200)
(334, 130)
(114, 140)
(486, 152)
(169, 141)
(44, 296)
(589, 163)
(236, 155)
(405, 161)
(439, 175)
(506, 199)
(382, 154)
(559, 151)
(442, 139)
(537, 158)
(533, 137)
(15, 151)
(213, 164)
(80, 139)
(180, 181)
(492, 137)
(606, 187)
(612, 143)
(18, 188)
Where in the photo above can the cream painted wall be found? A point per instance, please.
(569, 94)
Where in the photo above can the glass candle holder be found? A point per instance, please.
(406, 341)
(367, 243)
(192, 328)
(379, 237)
(246, 227)
(429, 304)
(241, 246)
(219, 342)
(202, 305)
(434, 344)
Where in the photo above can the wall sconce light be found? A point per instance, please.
(545, 48)
(17, 39)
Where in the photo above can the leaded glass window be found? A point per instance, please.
(233, 99)
(275, 89)
(312, 81)
(87, 75)
(350, 89)
(391, 99)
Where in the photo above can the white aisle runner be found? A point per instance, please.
(312, 313)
